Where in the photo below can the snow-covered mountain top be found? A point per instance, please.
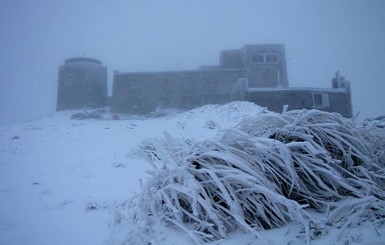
(65, 181)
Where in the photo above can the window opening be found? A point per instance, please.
(320, 100)
(258, 59)
(271, 58)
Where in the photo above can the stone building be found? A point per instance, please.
(141, 92)
(255, 73)
(82, 83)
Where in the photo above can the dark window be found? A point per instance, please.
(69, 80)
(257, 59)
(271, 58)
(317, 100)
(320, 100)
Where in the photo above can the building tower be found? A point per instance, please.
(82, 83)
(266, 65)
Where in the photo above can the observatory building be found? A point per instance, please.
(82, 83)
(255, 73)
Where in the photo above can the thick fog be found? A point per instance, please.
(320, 38)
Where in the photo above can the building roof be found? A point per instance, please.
(298, 89)
(203, 69)
(82, 59)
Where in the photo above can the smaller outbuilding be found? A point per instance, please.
(336, 99)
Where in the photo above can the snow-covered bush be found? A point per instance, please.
(271, 170)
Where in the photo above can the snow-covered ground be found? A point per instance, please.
(63, 181)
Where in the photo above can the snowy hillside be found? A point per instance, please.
(65, 181)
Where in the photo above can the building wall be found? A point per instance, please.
(82, 83)
(232, 59)
(145, 92)
(325, 100)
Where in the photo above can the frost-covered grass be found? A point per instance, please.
(271, 170)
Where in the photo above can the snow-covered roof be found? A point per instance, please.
(83, 59)
(298, 89)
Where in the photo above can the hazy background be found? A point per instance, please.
(320, 37)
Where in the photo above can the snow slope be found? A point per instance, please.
(65, 181)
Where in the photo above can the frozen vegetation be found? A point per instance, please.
(231, 174)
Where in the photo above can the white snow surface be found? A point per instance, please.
(65, 181)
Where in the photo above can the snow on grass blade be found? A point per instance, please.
(271, 170)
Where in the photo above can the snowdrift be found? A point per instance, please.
(310, 167)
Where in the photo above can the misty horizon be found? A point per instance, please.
(320, 39)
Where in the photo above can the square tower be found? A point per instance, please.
(266, 65)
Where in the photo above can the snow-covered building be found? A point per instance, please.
(255, 73)
(82, 83)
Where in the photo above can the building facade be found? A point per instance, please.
(82, 83)
(141, 92)
(255, 73)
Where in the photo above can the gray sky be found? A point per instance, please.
(320, 37)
